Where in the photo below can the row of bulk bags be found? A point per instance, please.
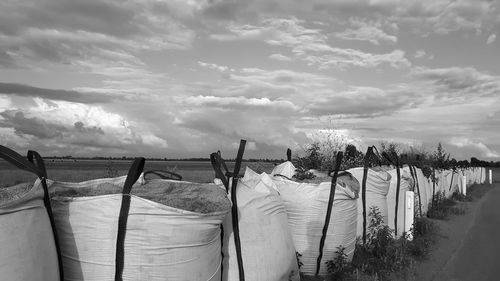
(171, 231)
(306, 205)
(267, 248)
(28, 247)
(377, 187)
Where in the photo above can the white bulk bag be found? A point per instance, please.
(306, 206)
(377, 187)
(268, 252)
(286, 169)
(161, 242)
(406, 184)
(28, 251)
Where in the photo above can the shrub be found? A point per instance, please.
(382, 254)
(339, 268)
(441, 207)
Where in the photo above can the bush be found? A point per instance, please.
(339, 268)
(441, 207)
(382, 254)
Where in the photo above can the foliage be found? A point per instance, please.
(339, 268)
(303, 174)
(460, 197)
(382, 254)
(442, 207)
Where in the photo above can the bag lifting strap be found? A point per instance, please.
(413, 172)
(338, 161)
(398, 186)
(217, 163)
(163, 174)
(234, 210)
(33, 156)
(369, 152)
(133, 175)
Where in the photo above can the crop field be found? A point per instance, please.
(82, 170)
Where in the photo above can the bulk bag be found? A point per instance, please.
(286, 169)
(395, 203)
(306, 205)
(174, 237)
(377, 187)
(28, 247)
(267, 248)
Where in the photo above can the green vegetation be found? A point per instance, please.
(442, 207)
(383, 256)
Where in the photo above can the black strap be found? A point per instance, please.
(33, 156)
(398, 186)
(369, 152)
(433, 185)
(216, 165)
(338, 161)
(282, 176)
(234, 210)
(223, 163)
(164, 174)
(451, 181)
(289, 155)
(133, 175)
(413, 170)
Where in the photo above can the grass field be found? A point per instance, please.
(81, 170)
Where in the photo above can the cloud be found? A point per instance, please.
(458, 81)
(366, 31)
(491, 38)
(464, 142)
(419, 54)
(280, 57)
(365, 102)
(54, 94)
(214, 66)
(31, 126)
(242, 103)
(309, 45)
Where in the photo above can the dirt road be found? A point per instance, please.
(478, 258)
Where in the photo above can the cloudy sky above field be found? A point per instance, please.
(182, 78)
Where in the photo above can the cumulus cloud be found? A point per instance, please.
(280, 57)
(364, 102)
(310, 45)
(242, 103)
(464, 142)
(491, 38)
(54, 94)
(459, 81)
(367, 31)
(214, 66)
(419, 54)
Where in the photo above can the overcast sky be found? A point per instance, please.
(182, 78)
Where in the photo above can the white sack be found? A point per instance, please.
(27, 250)
(377, 187)
(286, 169)
(161, 242)
(306, 206)
(268, 252)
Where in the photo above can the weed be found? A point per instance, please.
(339, 268)
(458, 196)
(441, 207)
(382, 254)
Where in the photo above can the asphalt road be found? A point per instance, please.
(479, 256)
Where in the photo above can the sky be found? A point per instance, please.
(184, 78)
